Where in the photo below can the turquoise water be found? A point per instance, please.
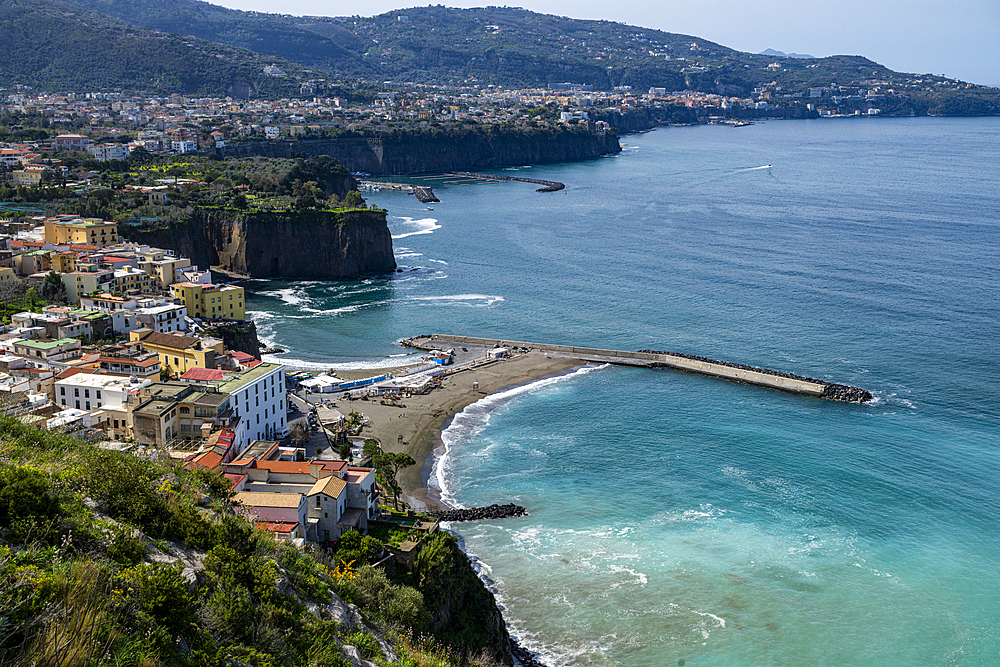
(676, 517)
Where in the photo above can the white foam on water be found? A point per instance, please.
(640, 578)
(359, 365)
(293, 296)
(461, 299)
(472, 419)
(413, 227)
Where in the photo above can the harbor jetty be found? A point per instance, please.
(478, 513)
(423, 194)
(548, 186)
(763, 377)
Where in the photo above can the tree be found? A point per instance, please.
(372, 448)
(345, 450)
(388, 466)
(299, 435)
(53, 290)
(354, 199)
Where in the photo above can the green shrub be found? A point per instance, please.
(29, 507)
(160, 594)
(365, 643)
(125, 547)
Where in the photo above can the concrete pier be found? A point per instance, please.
(656, 359)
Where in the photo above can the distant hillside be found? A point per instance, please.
(319, 43)
(437, 45)
(49, 45)
(498, 45)
(782, 54)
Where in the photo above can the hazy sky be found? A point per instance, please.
(959, 39)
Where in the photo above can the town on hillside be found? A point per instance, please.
(122, 345)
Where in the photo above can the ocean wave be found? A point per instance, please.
(418, 226)
(358, 365)
(472, 418)
(293, 296)
(460, 299)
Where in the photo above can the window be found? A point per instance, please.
(88, 405)
(64, 401)
(78, 405)
(318, 500)
(76, 392)
(62, 392)
(98, 393)
(86, 393)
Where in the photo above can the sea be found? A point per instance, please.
(677, 519)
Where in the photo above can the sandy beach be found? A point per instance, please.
(420, 423)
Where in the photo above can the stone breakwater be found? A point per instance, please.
(478, 513)
(652, 359)
(550, 186)
(836, 392)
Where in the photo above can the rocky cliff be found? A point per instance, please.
(435, 150)
(308, 244)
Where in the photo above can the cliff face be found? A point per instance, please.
(464, 613)
(308, 244)
(240, 336)
(443, 151)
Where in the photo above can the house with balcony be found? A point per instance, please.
(48, 350)
(339, 497)
(129, 359)
(165, 413)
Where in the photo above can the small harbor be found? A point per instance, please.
(657, 359)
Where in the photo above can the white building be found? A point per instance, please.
(103, 152)
(122, 310)
(184, 146)
(166, 318)
(88, 392)
(257, 397)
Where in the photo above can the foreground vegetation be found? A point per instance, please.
(111, 559)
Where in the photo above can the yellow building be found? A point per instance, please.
(63, 262)
(7, 275)
(162, 267)
(179, 354)
(130, 280)
(208, 301)
(88, 231)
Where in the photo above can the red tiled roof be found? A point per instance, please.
(207, 460)
(240, 356)
(333, 466)
(279, 527)
(234, 478)
(287, 467)
(70, 372)
(204, 374)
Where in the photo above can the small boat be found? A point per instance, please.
(428, 208)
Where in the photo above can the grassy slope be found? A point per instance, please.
(106, 558)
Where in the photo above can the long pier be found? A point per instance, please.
(423, 194)
(549, 186)
(657, 359)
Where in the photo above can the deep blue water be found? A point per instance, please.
(677, 517)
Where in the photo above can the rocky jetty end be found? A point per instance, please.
(478, 513)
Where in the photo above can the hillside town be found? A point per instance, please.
(108, 126)
(128, 360)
